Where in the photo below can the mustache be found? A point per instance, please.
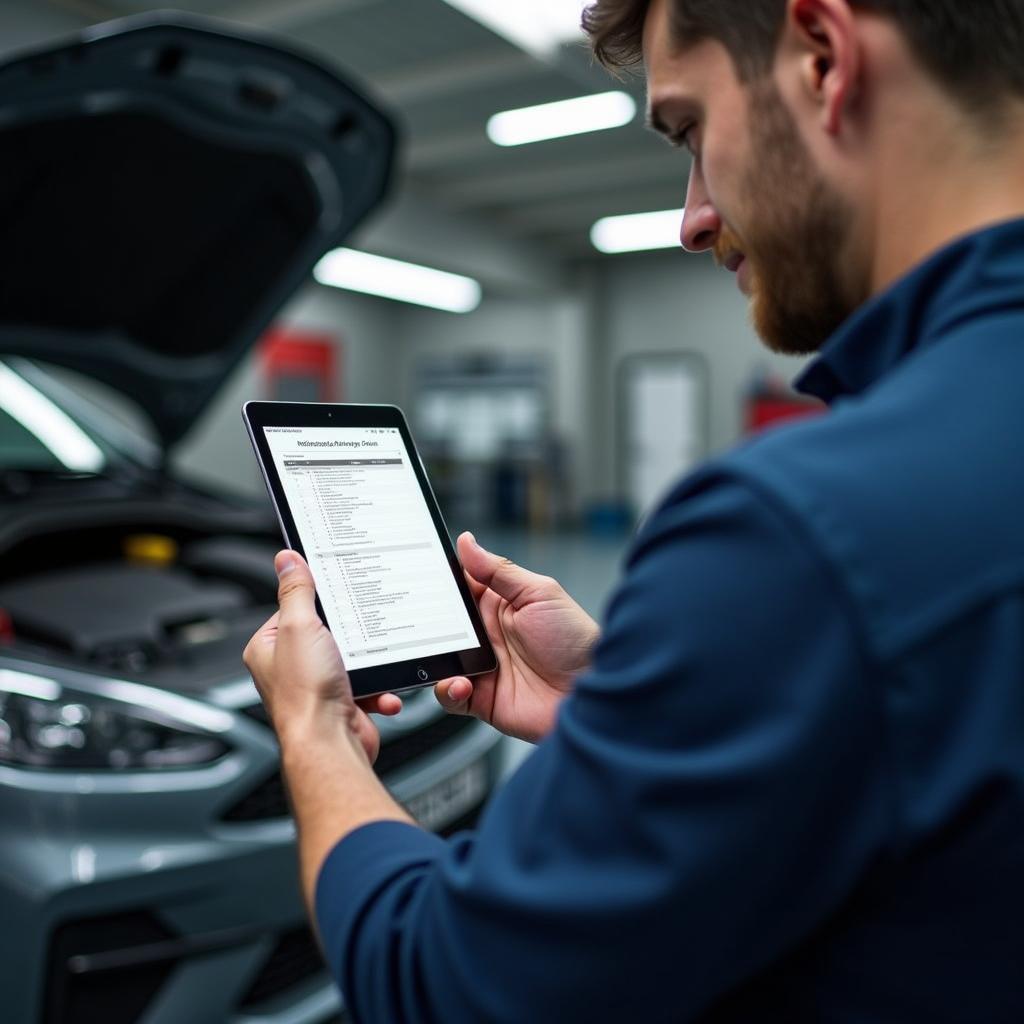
(726, 243)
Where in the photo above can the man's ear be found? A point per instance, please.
(824, 35)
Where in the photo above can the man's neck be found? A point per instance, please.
(937, 187)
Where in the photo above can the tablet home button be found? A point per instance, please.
(423, 674)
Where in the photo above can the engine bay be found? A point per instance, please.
(173, 606)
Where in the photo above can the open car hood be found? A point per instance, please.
(166, 184)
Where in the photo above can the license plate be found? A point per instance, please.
(450, 799)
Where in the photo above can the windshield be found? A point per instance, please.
(21, 449)
(36, 434)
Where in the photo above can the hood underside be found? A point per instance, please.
(166, 186)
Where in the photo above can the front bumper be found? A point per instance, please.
(166, 897)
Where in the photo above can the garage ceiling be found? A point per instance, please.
(443, 75)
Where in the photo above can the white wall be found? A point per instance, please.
(660, 302)
(672, 301)
(646, 303)
(367, 330)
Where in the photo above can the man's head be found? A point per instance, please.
(802, 117)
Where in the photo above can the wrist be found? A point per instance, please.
(301, 735)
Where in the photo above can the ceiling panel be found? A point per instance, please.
(383, 36)
(444, 75)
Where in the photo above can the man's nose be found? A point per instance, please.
(701, 223)
(700, 228)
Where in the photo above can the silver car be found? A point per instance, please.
(187, 180)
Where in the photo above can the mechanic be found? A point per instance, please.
(785, 780)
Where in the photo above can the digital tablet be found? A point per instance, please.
(353, 499)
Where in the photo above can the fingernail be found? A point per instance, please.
(285, 563)
(451, 693)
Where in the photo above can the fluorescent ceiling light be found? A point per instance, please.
(49, 424)
(657, 230)
(566, 117)
(537, 26)
(393, 279)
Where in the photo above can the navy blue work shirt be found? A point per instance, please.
(791, 787)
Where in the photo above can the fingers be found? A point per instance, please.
(383, 704)
(454, 694)
(508, 580)
(296, 593)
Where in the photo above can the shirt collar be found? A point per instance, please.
(980, 273)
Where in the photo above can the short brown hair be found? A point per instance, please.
(975, 50)
(749, 29)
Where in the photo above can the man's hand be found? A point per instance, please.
(542, 638)
(328, 742)
(298, 670)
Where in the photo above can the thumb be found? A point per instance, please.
(295, 589)
(508, 580)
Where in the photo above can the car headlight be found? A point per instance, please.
(45, 724)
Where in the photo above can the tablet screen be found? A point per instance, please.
(380, 569)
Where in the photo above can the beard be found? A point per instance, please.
(794, 243)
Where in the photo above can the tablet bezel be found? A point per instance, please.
(398, 675)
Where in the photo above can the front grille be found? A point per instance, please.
(463, 822)
(398, 752)
(295, 959)
(269, 799)
(115, 996)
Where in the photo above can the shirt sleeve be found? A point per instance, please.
(711, 793)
